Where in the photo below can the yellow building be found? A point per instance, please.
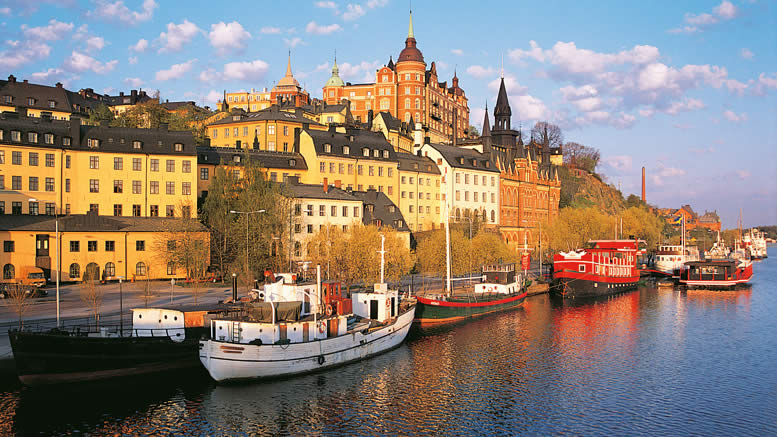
(355, 158)
(40, 100)
(397, 132)
(63, 167)
(105, 247)
(287, 90)
(271, 130)
(419, 191)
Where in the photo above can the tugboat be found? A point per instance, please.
(717, 273)
(603, 267)
(282, 337)
(159, 340)
(670, 260)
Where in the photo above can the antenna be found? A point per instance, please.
(502, 69)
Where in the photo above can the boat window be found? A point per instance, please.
(140, 316)
(581, 267)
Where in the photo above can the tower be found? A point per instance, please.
(643, 185)
(333, 89)
(411, 76)
(485, 135)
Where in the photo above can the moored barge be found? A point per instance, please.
(717, 273)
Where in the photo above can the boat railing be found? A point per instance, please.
(103, 330)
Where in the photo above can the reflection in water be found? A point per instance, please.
(650, 361)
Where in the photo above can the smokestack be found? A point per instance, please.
(643, 185)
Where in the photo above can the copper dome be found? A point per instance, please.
(410, 52)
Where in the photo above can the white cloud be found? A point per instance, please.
(268, 30)
(213, 97)
(745, 53)
(585, 98)
(48, 76)
(480, 72)
(684, 105)
(696, 23)
(734, 117)
(568, 58)
(527, 107)
(55, 31)
(512, 86)
(79, 62)
(764, 83)
(210, 75)
(319, 68)
(177, 35)
(117, 11)
(683, 126)
(353, 12)
(95, 43)
(23, 53)
(363, 68)
(140, 46)
(317, 29)
(133, 82)
(253, 70)
(535, 52)
(228, 36)
(176, 71)
(457, 52)
(293, 42)
(325, 4)
(664, 174)
(372, 4)
(133, 60)
(5, 11)
(620, 164)
(726, 10)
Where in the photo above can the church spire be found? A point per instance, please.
(486, 124)
(410, 28)
(502, 111)
(288, 66)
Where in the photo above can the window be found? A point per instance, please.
(33, 159)
(33, 183)
(140, 245)
(16, 158)
(95, 208)
(75, 270)
(140, 269)
(16, 208)
(2, 182)
(153, 211)
(356, 211)
(170, 166)
(16, 136)
(321, 210)
(137, 187)
(322, 167)
(271, 129)
(170, 210)
(94, 162)
(204, 174)
(346, 150)
(309, 210)
(169, 187)
(186, 166)
(16, 183)
(137, 164)
(94, 185)
(110, 269)
(285, 130)
(32, 137)
(332, 167)
(333, 211)
(117, 210)
(118, 186)
(50, 208)
(91, 246)
(371, 170)
(186, 188)
(2, 152)
(118, 163)
(137, 145)
(350, 168)
(178, 147)
(380, 171)
(8, 246)
(310, 229)
(32, 208)
(345, 211)
(136, 210)
(153, 187)
(154, 165)
(75, 246)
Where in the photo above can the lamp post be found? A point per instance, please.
(172, 284)
(258, 211)
(470, 244)
(121, 308)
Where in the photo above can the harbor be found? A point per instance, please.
(639, 360)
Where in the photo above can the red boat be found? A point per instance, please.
(603, 267)
(717, 273)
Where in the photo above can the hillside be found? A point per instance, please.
(581, 190)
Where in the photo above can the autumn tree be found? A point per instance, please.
(547, 133)
(580, 156)
(20, 297)
(184, 243)
(92, 296)
(101, 114)
(145, 286)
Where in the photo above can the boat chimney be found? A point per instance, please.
(643, 185)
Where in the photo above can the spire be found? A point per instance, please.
(502, 104)
(486, 124)
(410, 28)
(335, 79)
(288, 66)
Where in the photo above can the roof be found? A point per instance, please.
(288, 80)
(411, 162)
(174, 106)
(266, 159)
(273, 113)
(410, 52)
(111, 139)
(502, 103)
(46, 98)
(459, 157)
(310, 191)
(379, 210)
(710, 217)
(486, 124)
(91, 222)
(335, 79)
(134, 97)
(356, 139)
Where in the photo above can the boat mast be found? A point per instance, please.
(382, 253)
(447, 248)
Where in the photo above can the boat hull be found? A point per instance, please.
(45, 358)
(434, 311)
(571, 288)
(227, 361)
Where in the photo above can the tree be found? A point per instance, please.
(184, 243)
(102, 113)
(580, 156)
(473, 131)
(145, 285)
(547, 133)
(634, 201)
(92, 296)
(19, 295)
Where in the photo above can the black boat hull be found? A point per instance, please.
(581, 288)
(54, 358)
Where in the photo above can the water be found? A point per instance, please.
(659, 362)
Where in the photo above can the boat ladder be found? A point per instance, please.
(236, 332)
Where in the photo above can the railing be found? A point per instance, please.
(104, 331)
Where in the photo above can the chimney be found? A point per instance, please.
(26, 81)
(337, 183)
(643, 185)
(326, 185)
(134, 95)
(121, 93)
(12, 78)
(75, 130)
(369, 119)
(59, 85)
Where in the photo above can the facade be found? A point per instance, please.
(397, 132)
(63, 167)
(286, 90)
(469, 182)
(271, 129)
(40, 100)
(419, 191)
(105, 247)
(378, 210)
(710, 220)
(407, 91)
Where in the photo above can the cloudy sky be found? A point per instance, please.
(686, 89)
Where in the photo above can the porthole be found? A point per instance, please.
(260, 331)
(165, 316)
(219, 328)
(295, 329)
(140, 316)
(178, 335)
(175, 318)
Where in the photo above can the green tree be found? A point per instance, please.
(102, 113)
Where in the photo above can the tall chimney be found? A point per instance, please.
(643, 185)
(326, 185)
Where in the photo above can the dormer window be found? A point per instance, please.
(159, 143)
(93, 143)
(236, 158)
(327, 148)
(32, 137)
(376, 153)
(461, 161)
(204, 157)
(385, 154)
(488, 164)
(292, 163)
(121, 140)
(415, 166)
(65, 141)
(137, 145)
(48, 138)
(52, 104)
(8, 99)
(391, 208)
(366, 152)
(474, 163)
(110, 140)
(346, 150)
(30, 101)
(235, 118)
(178, 147)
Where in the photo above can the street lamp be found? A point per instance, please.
(56, 261)
(172, 285)
(121, 308)
(258, 211)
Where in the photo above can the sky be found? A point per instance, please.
(686, 89)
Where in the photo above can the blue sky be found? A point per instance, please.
(686, 89)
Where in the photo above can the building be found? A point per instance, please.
(469, 182)
(359, 159)
(408, 91)
(378, 210)
(35, 100)
(64, 167)
(89, 244)
(121, 103)
(396, 131)
(286, 90)
(710, 220)
(270, 129)
(419, 191)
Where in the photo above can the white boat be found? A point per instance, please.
(281, 337)
(755, 242)
(671, 259)
(718, 250)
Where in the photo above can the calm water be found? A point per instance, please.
(659, 362)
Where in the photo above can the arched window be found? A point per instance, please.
(92, 272)
(417, 118)
(407, 103)
(8, 271)
(75, 270)
(407, 117)
(110, 269)
(493, 216)
(140, 269)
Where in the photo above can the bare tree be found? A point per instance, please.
(19, 295)
(547, 133)
(145, 286)
(92, 296)
(184, 244)
(580, 156)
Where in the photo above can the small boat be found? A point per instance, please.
(501, 289)
(755, 243)
(603, 267)
(159, 340)
(670, 260)
(717, 273)
(718, 250)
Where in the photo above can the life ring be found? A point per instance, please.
(321, 360)
(321, 327)
(388, 303)
(329, 310)
(490, 289)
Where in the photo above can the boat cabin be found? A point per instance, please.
(283, 287)
(381, 304)
(712, 270)
(334, 300)
(499, 278)
(158, 322)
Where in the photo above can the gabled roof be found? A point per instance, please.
(45, 98)
(710, 217)
(378, 207)
(273, 113)
(459, 157)
(310, 191)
